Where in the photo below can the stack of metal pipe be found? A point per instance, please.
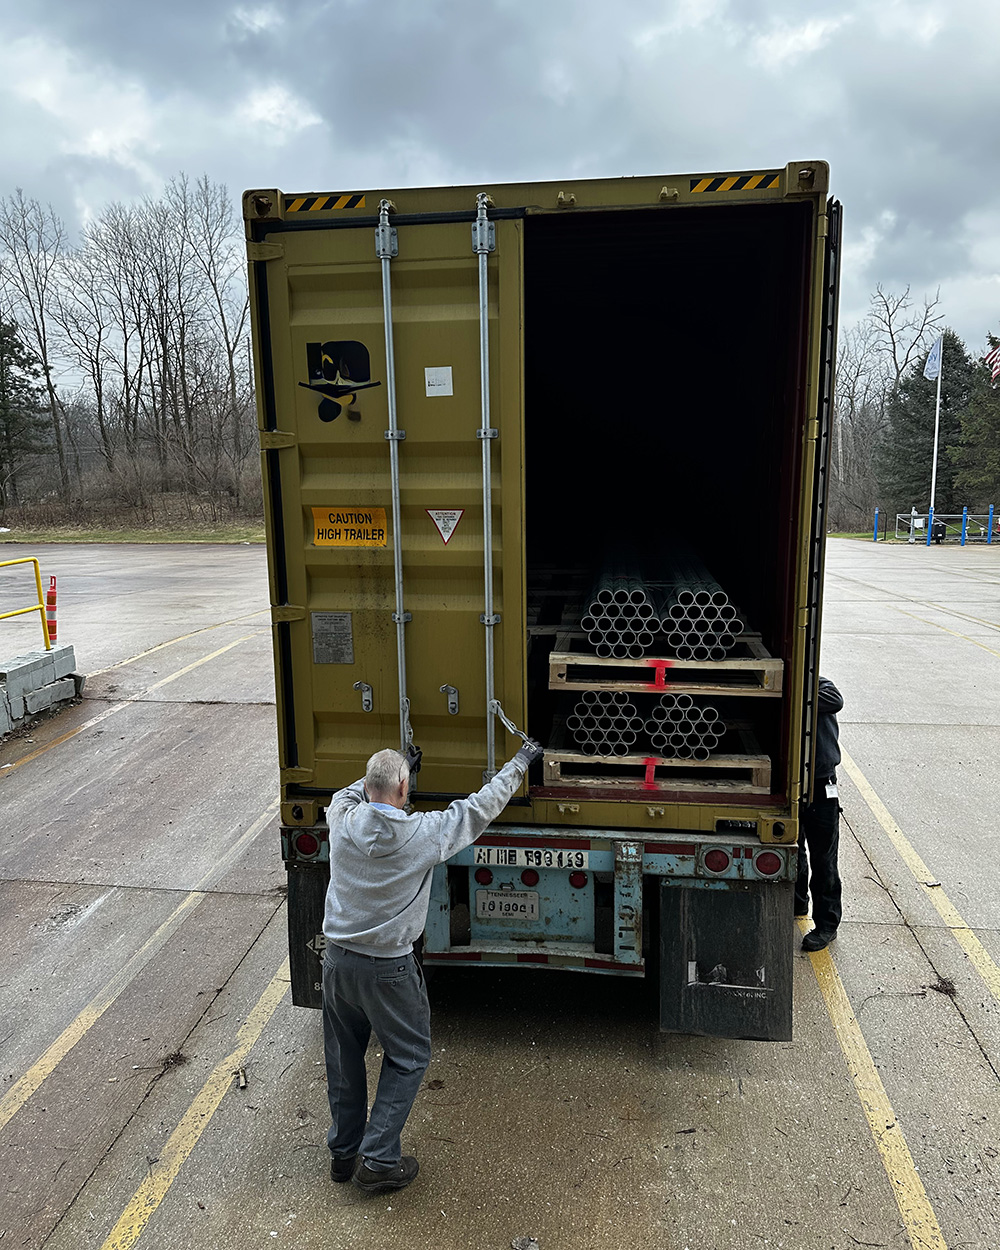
(679, 730)
(696, 614)
(605, 722)
(620, 618)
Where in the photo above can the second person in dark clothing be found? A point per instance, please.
(819, 832)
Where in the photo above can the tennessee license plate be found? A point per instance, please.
(506, 905)
(529, 857)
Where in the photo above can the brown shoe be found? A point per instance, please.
(381, 1180)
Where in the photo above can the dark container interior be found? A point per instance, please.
(665, 365)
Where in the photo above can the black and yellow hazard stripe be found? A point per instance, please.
(322, 203)
(735, 182)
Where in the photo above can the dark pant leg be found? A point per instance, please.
(346, 1032)
(821, 830)
(401, 1017)
(802, 877)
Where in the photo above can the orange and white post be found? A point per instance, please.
(50, 609)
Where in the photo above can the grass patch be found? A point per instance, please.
(866, 534)
(243, 532)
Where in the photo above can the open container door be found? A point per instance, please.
(821, 474)
(369, 355)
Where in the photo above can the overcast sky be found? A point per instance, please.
(106, 99)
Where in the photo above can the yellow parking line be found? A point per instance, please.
(195, 1120)
(173, 641)
(46, 1064)
(917, 1214)
(978, 955)
(9, 769)
(954, 633)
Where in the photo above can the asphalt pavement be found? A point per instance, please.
(157, 1089)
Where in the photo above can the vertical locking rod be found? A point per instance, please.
(386, 248)
(484, 242)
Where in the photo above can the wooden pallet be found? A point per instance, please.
(652, 773)
(753, 671)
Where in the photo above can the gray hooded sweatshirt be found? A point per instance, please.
(381, 862)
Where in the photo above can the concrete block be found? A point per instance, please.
(63, 689)
(39, 700)
(6, 723)
(48, 696)
(16, 704)
(28, 672)
(63, 659)
(79, 681)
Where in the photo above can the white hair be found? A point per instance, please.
(385, 771)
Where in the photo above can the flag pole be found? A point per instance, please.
(937, 425)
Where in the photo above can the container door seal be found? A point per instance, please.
(817, 536)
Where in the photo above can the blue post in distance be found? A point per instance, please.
(965, 522)
(930, 526)
(875, 539)
(989, 528)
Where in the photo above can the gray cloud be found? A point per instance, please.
(108, 98)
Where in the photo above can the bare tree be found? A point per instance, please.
(873, 357)
(33, 239)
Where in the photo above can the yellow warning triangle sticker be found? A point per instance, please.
(446, 520)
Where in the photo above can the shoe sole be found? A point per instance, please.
(383, 1186)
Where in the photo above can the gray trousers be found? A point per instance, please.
(361, 995)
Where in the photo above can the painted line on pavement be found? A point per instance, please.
(173, 641)
(977, 953)
(954, 633)
(917, 1214)
(46, 1064)
(9, 769)
(195, 1120)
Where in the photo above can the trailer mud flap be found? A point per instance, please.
(726, 961)
(306, 900)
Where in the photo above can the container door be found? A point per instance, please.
(331, 505)
(817, 536)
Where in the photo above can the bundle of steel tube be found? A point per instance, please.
(620, 619)
(678, 729)
(605, 722)
(695, 612)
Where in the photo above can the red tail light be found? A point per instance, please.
(578, 880)
(306, 843)
(484, 876)
(529, 876)
(717, 861)
(768, 863)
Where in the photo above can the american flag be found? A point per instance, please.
(993, 360)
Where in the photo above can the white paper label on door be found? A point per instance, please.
(437, 380)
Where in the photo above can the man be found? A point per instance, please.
(820, 829)
(381, 862)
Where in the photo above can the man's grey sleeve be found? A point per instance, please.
(461, 823)
(344, 800)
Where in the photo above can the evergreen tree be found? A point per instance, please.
(977, 455)
(22, 417)
(907, 450)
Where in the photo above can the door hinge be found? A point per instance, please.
(275, 440)
(281, 612)
(265, 251)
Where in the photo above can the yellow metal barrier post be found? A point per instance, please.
(38, 607)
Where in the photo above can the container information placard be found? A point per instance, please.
(333, 638)
(349, 527)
